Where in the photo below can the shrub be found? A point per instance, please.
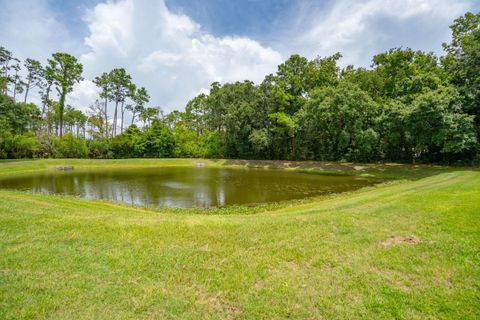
(17, 146)
(5, 136)
(122, 146)
(98, 149)
(23, 146)
(156, 142)
(46, 146)
(70, 146)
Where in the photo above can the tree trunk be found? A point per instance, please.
(26, 91)
(15, 88)
(133, 116)
(106, 117)
(114, 129)
(47, 97)
(61, 107)
(122, 110)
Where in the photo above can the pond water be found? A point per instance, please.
(186, 186)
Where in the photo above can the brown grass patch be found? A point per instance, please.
(218, 303)
(396, 240)
(259, 284)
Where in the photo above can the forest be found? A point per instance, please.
(409, 106)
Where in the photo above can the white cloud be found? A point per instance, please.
(168, 53)
(175, 59)
(202, 91)
(30, 30)
(360, 29)
(83, 95)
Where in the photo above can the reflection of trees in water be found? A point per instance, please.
(187, 187)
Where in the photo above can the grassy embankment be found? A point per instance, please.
(325, 258)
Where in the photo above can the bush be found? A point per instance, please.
(156, 142)
(17, 146)
(46, 146)
(23, 146)
(5, 136)
(98, 149)
(212, 145)
(122, 147)
(70, 146)
(187, 143)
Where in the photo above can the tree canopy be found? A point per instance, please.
(409, 106)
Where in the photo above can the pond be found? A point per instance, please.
(186, 186)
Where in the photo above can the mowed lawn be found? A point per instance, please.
(408, 249)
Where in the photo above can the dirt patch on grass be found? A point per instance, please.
(259, 284)
(218, 303)
(396, 240)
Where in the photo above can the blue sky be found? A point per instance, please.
(176, 48)
(251, 18)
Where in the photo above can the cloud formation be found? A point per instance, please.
(360, 29)
(30, 28)
(167, 52)
(175, 58)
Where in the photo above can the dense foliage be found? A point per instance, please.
(409, 106)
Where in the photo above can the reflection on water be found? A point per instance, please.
(186, 187)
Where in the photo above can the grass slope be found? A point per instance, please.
(67, 258)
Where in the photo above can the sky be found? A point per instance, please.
(177, 48)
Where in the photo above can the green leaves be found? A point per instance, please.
(438, 128)
(65, 71)
(156, 142)
(462, 62)
(409, 106)
(17, 117)
(70, 146)
(282, 124)
(119, 82)
(259, 139)
(339, 123)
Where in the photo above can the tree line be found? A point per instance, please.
(409, 106)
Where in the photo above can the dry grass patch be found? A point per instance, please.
(397, 240)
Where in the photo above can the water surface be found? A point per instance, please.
(186, 186)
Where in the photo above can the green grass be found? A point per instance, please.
(324, 258)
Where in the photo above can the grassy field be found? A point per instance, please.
(406, 249)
